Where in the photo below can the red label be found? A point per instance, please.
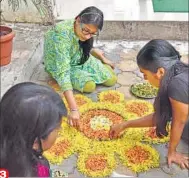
(4, 173)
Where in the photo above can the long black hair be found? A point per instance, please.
(28, 112)
(156, 54)
(90, 15)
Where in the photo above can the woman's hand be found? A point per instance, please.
(181, 160)
(99, 54)
(74, 116)
(116, 130)
(73, 119)
(108, 62)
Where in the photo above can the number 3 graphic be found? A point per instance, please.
(4, 173)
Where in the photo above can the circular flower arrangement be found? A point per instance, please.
(151, 137)
(96, 121)
(62, 149)
(139, 157)
(112, 96)
(92, 143)
(139, 107)
(80, 100)
(96, 164)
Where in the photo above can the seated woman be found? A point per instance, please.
(31, 115)
(160, 63)
(67, 57)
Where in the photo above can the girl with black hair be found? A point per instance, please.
(31, 115)
(160, 63)
(71, 59)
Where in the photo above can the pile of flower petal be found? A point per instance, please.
(139, 107)
(95, 163)
(96, 124)
(111, 96)
(80, 100)
(62, 149)
(96, 151)
(96, 120)
(151, 137)
(139, 157)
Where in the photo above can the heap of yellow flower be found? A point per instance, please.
(107, 111)
(97, 156)
(149, 135)
(96, 163)
(139, 107)
(80, 100)
(61, 150)
(111, 96)
(139, 157)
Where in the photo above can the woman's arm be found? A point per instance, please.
(180, 116)
(97, 54)
(100, 55)
(74, 112)
(60, 70)
(146, 121)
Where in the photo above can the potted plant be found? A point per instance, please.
(6, 38)
(7, 34)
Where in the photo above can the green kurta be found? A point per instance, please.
(62, 56)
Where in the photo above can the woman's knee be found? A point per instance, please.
(89, 87)
(111, 82)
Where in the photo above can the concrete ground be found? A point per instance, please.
(27, 65)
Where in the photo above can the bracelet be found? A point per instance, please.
(72, 110)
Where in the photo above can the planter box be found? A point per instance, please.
(170, 5)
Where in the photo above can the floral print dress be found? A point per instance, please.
(62, 56)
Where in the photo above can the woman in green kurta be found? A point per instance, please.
(71, 60)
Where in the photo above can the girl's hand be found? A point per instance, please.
(181, 160)
(73, 119)
(116, 130)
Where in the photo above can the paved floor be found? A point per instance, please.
(123, 53)
(27, 54)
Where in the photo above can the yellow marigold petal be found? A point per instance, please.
(150, 160)
(139, 107)
(149, 136)
(107, 168)
(111, 96)
(61, 150)
(80, 100)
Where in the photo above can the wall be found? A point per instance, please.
(124, 19)
(36, 11)
(24, 14)
(143, 30)
(117, 10)
(114, 10)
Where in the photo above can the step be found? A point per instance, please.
(27, 54)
